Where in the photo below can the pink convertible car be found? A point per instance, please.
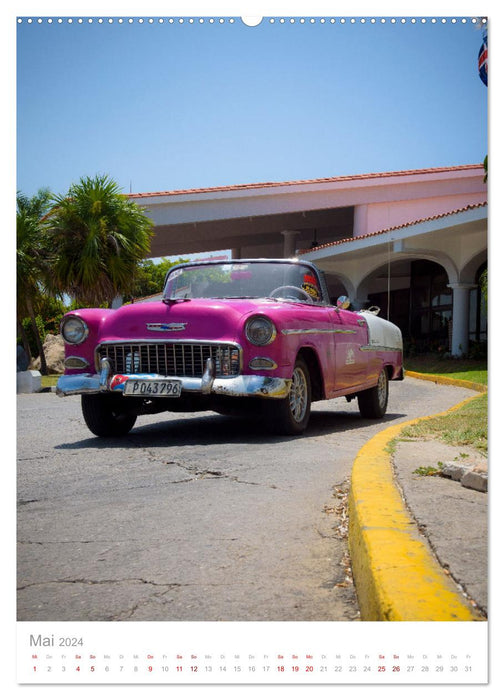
(258, 335)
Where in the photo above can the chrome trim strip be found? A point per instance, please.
(315, 331)
(244, 385)
(161, 341)
(167, 327)
(387, 348)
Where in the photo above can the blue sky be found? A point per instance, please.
(162, 106)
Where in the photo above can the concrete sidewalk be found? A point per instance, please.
(452, 517)
(418, 542)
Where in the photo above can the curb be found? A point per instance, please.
(396, 576)
(440, 379)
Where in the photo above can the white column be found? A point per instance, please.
(360, 224)
(289, 248)
(460, 330)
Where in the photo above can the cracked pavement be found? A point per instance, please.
(191, 516)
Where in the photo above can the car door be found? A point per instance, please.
(350, 336)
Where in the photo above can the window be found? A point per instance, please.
(478, 311)
(431, 306)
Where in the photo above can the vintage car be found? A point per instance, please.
(256, 335)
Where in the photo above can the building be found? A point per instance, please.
(412, 242)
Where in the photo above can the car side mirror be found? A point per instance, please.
(342, 303)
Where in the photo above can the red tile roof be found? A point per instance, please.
(393, 228)
(342, 178)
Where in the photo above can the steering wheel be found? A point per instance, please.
(291, 288)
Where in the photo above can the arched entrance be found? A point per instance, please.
(414, 294)
(431, 308)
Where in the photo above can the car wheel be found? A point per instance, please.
(293, 412)
(107, 416)
(373, 402)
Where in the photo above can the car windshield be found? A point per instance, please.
(239, 280)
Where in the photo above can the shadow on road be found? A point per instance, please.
(214, 429)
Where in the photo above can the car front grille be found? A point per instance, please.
(171, 359)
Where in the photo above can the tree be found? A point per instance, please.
(31, 264)
(151, 276)
(95, 238)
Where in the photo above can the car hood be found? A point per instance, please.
(194, 319)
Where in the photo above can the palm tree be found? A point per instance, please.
(31, 263)
(95, 238)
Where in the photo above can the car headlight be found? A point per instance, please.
(74, 330)
(260, 330)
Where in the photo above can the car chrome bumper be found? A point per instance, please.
(243, 385)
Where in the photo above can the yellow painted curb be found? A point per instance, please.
(395, 574)
(441, 379)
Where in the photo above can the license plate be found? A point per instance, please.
(153, 387)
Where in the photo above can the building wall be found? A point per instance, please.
(385, 215)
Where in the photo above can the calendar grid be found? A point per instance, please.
(268, 653)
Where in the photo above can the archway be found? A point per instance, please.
(415, 295)
(338, 285)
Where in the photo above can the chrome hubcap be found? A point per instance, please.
(298, 397)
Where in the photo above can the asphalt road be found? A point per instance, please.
(191, 516)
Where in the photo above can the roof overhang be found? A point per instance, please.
(252, 217)
(456, 240)
(451, 225)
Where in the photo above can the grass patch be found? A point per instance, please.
(466, 426)
(428, 471)
(469, 370)
(49, 380)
